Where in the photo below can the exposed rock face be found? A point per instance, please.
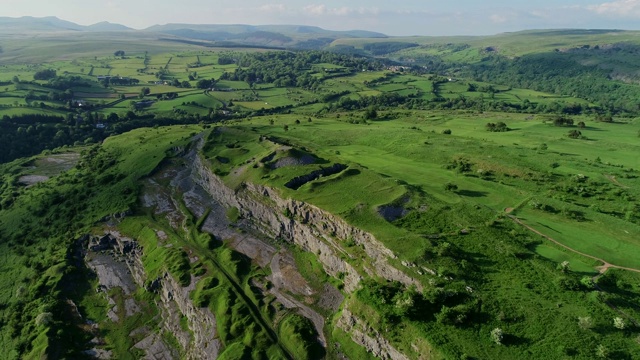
(176, 303)
(297, 182)
(309, 227)
(199, 340)
(316, 231)
(365, 335)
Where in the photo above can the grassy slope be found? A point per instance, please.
(46, 218)
(417, 157)
(389, 159)
(517, 43)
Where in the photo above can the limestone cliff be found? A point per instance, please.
(199, 341)
(308, 226)
(363, 334)
(316, 231)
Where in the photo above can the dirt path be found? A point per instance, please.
(602, 269)
(615, 181)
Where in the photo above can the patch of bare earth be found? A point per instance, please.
(291, 161)
(58, 162)
(615, 181)
(30, 180)
(392, 213)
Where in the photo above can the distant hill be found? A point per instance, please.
(107, 26)
(52, 23)
(28, 23)
(288, 30)
(296, 36)
(273, 36)
(511, 44)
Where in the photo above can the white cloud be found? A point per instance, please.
(321, 10)
(498, 19)
(273, 8)
(315, 9)
(617, 8)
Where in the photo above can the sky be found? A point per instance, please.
(398, 18)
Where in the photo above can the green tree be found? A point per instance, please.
(144, 92)
(370, 113)
(575, 134)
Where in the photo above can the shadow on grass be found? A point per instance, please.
(481, 260)
(472, 193)
(549, 227)
(514, 340)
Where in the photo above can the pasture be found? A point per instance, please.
(407, 162)
(504, 169)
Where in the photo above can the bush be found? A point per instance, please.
(497, 336)
(497, 127)
(575, 134)
(585, 323)
(619, 323)
(450, 187)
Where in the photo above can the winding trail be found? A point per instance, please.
(615, 181)
(601, 269)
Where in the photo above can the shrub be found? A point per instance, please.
(497, 336)
(602, 352)
(575, 134)
(585, 323)
(619, 323)
(450, 187)
(497, 127)
(44, 319)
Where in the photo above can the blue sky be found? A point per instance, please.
(408, 17)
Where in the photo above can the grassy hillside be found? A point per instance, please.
(513, 44)
(445, 185)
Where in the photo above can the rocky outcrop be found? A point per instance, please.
(316, 231)
(297, 182)
(308, 226)
(364, 335)
(203, 343)
(199, 341)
